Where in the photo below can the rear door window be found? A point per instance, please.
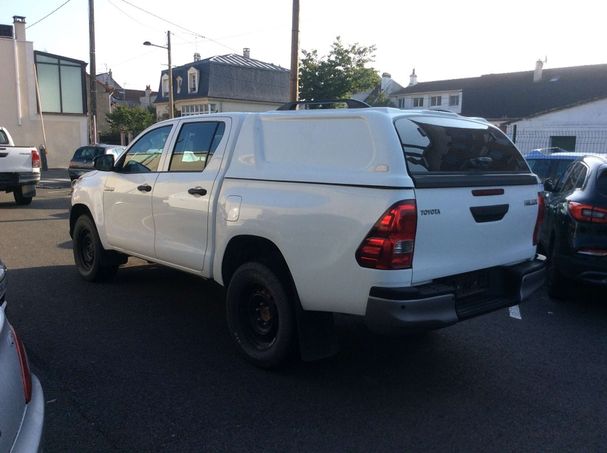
(3, 138)
(452, 145)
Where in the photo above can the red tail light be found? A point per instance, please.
(35, 159)
(540, 218)
(26, 376)
(390, 243)
(587, 213)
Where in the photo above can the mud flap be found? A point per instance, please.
(317, 338)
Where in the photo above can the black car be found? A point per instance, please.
(84, 158)
(574, 232)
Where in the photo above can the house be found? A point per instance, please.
(522, 103)
(110, 94)
(383, 90)
(57, 115)
(224, 83)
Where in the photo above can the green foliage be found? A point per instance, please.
(338, 75)
(378, 98)
(130, 119)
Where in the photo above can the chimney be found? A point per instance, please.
(19, 24)
(537, 74)
(385, 80)
(196, 56)
(413, 78)
(148, 91)
(246, 52)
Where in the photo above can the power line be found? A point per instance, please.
(177, 25)
(49, 14)
(129, 16)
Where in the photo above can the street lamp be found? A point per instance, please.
(168, 48)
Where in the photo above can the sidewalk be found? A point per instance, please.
(54, 178)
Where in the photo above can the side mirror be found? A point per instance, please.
(104, 163)
(549, 186)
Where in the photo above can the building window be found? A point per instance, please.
(418, 102)
(179, 81)
(454, 100)
(436, 101)
(192, 80)
(197, 109)
(564, 142)
(165, 85)
(61, 82)
(401, 103)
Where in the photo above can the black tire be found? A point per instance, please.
(558, 285)
(19, 198)
(261, 316)
(89, 253)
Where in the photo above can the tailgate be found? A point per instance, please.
(12, 401)
(458, 231)
(476, 197)
(15, 159)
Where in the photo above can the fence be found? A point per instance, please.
(571, 139)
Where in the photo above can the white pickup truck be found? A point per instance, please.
(413, 220)
(19, 169)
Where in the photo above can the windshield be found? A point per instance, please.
(450, 145)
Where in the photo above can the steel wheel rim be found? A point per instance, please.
(86, 249)
(259, 317)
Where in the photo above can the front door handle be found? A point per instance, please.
(197, 191)
(144, 188)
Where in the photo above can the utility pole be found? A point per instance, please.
(294, 76)
(93, 74)
(171, 99)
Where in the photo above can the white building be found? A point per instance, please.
(62, 95)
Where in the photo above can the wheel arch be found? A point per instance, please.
(76, 211)
(245, 248)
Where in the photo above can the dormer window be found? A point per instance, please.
(192, 80)
(165, 85)
(179, 81)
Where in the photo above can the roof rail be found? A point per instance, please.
(324, 104)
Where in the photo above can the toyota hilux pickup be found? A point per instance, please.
(19, 169)
(412, 220)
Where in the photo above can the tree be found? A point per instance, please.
(130, 119)
(340, 74)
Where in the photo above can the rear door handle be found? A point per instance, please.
(144, 188)
(197, 191)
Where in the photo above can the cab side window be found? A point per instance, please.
(195, 145)
(144, 155)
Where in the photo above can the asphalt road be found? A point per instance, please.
(145, 363)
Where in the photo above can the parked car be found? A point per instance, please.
(574, 233)
(84, 157)
(19, 169)
(551, 163)
(412, 220)
(21, 395)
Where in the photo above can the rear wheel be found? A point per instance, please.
(20, 199)
(260, 315)
(89, 253)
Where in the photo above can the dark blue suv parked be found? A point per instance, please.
(574, 232)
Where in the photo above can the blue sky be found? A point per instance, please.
(441, 39)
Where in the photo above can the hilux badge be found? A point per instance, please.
(531, 202)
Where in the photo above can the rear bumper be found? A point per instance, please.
(436, 305)
(587, 268)
(29, 438)
(9, 181)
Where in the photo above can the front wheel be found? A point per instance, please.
(260, 315)
(89, 253)
(20, 199)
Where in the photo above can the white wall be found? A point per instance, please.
(587, 122)
(19, 110)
